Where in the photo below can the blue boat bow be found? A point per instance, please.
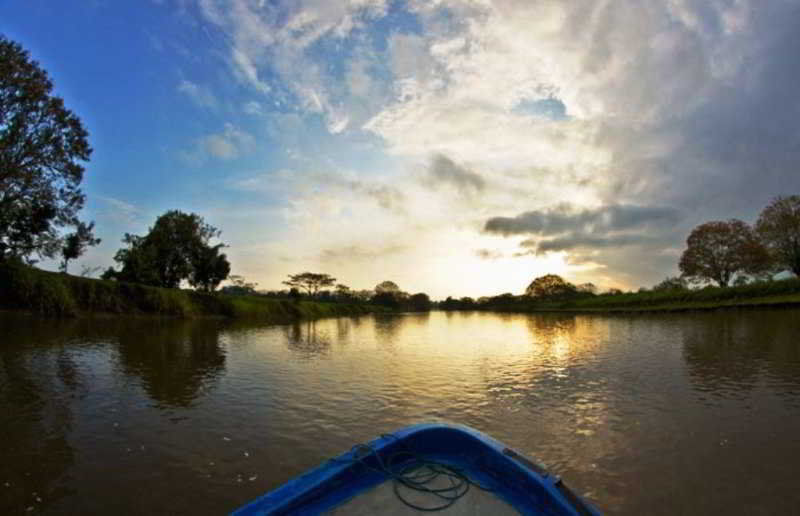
(465, 454)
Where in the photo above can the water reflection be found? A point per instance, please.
(649, 414)
(730, 355)
(35, 418)
(308, 340)
(176, 361)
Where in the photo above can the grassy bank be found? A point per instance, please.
(774, 293)
(60, 295)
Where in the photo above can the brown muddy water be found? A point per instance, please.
(645, 414)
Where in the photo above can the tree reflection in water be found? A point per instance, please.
(728, 355)
(177, 361)
(37, 382)
(308, 339)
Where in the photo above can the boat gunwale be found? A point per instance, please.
(319, 489)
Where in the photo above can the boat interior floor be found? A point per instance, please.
(383, 500)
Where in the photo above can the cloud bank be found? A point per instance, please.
(599, 132)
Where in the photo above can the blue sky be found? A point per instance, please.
(427, 142)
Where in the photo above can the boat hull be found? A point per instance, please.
(488, 463)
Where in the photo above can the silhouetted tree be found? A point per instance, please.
(778, 227)
(42, 145)
(387, 286)
(76, 243)
(343, 292)
(387, 299)
(239, 286)
(420, 302)
(719, 250)
(550, 286)
(209, 268)
(311, 282)
(176, 248)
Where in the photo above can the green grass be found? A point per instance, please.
(60, 295)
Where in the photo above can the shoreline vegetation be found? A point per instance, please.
(775, 293)
(52, 294)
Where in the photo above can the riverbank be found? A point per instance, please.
(782, 293)
(53, 294)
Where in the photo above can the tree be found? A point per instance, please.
(778, 227)
(343, 292)
(387, 299)
(76, 243)
(209, 268)
(719, 250)
(420, 302)
(387, 286)
(587, 288)
(671, 283)
(88, 271)
(239, 285)
(311, 282)
(42, 146)
(550, 286)
(175, 249)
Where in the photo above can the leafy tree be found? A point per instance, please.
(387, 299)
(176, 248)
(550, 286)
(343, 292)
(387, 286)
(76, 243)
(420, 302)
(311, 282)
(239, 285)
(42, 145)
(587, 288)
(719, 250)
(209, 268)
(671, 283)
(778, 227)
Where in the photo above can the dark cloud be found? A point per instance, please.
(579, 240)
(635, 243)
(387, 197)
(739, 144)
(444, 171)
(599, 223)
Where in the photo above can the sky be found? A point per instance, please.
(455, 147)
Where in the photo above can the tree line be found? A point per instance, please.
(325, 288)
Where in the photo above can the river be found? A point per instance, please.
(644, 414)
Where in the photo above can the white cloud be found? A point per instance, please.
(199, 95)
(228, 144)
(664, 98)
(119, 211)
(252, 108)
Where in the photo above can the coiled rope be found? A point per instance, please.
(410, 470)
